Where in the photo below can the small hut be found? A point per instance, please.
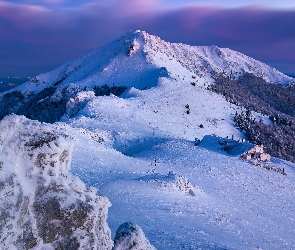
(264, 157)
(256, 153)
(256, 149)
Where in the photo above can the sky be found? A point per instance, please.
(38, 36)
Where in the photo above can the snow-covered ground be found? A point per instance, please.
(233, 204)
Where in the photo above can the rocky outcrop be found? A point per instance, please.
(130, 236)
(42, 205)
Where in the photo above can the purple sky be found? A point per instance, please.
(38, 36)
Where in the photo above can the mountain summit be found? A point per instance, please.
(138, 59)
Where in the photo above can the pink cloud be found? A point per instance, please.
(50, 37)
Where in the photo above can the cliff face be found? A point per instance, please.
(42, 205)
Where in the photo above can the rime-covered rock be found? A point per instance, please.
(75, 104)
(130, 236)
(42, 205)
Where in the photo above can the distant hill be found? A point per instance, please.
(7, 83)
(291, 75)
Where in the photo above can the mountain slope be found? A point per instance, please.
(234, 205)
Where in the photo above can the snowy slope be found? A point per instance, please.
(158, 112)
(233, 204)
(137, 59)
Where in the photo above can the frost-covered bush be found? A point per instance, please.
(107, 90)
(130, 236)
(180, 182)
(256, 94)
(42, 205)
(278, 138)
(46, 106)
(9, 102)
(49, 105)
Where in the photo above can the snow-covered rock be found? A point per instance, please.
(178, 182)
(42, 205)
(75, 104)
(129, 236)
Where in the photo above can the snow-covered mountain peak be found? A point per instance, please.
(137, 59)
(204, 61)
(139, 35)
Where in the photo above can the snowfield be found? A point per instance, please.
(139, 149)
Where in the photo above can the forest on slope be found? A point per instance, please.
(275, 101)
